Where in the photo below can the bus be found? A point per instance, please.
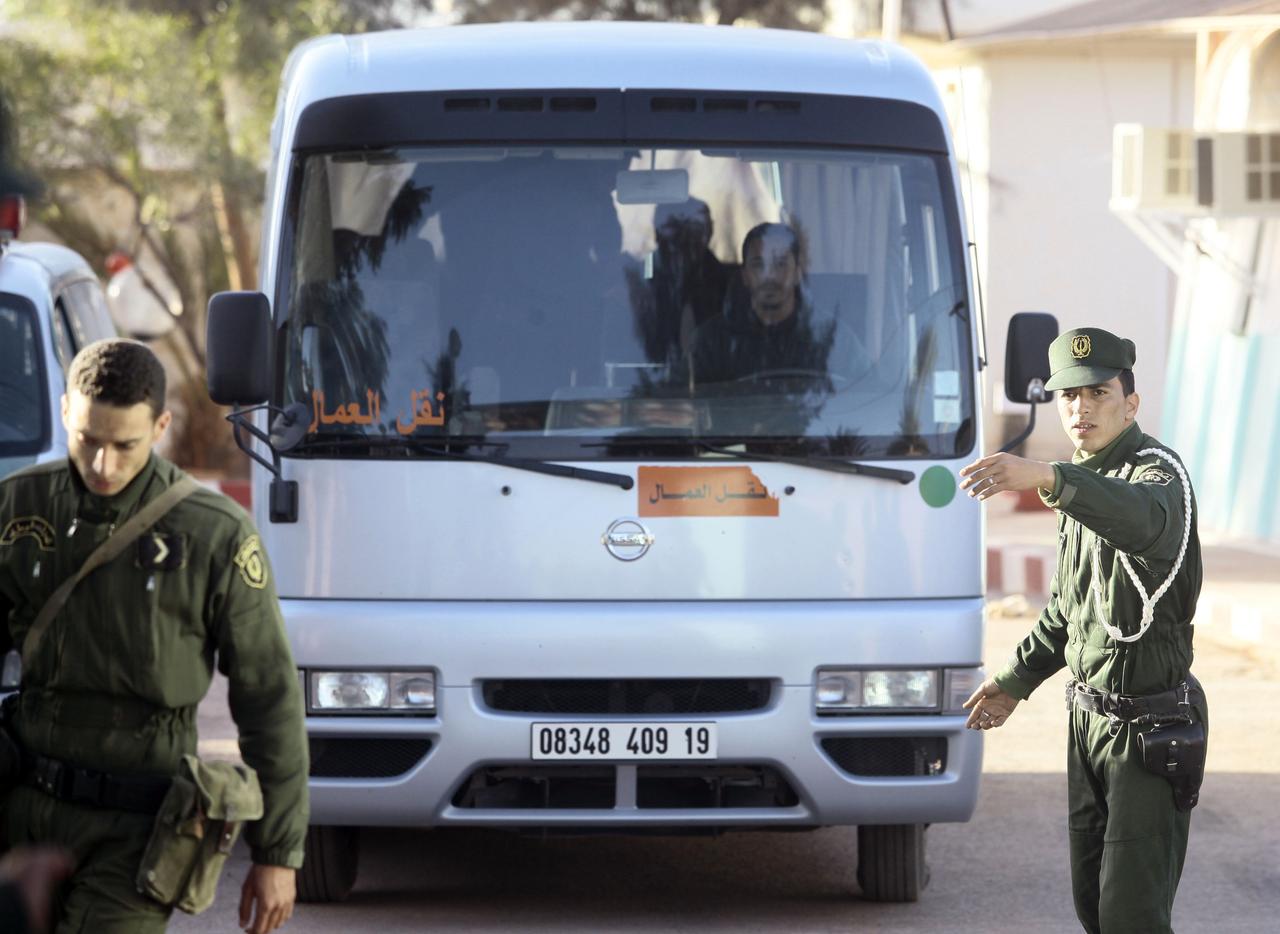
(609, 385)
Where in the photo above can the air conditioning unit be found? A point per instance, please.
(1238, 174)
(1153, 169)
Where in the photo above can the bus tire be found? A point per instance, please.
(891, 862)
(329, 868)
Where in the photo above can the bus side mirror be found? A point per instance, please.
(1026, 356)
(1026, 364)
(238, 363)
(238, 348)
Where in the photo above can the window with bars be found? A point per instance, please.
(1180, 163)
(1262, 167)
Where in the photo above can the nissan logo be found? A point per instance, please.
(626, 540)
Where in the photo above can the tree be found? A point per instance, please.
(163, 108)
(784, 14)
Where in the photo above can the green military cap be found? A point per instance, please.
(1088, 356)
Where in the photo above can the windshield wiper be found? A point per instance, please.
(441, 448)
(835, 465)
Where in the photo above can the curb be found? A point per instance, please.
(1237, 619)
(1241, 615)
(1020, 569)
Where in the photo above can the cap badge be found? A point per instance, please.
(1081, 346)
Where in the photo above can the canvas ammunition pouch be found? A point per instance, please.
(196, 826)
(1171, 740)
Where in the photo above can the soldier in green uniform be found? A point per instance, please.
(1119, 617)
(108, 703)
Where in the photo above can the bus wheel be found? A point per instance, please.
(328, 871)
(891, 864)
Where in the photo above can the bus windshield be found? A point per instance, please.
(553, 301)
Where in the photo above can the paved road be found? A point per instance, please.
(1004, 871)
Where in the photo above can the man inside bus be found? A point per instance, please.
(688, 284)
(769, 330)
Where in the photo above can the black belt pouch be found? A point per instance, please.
(1176, 751)
(10, 751)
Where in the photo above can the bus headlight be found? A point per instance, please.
(413, 690)
(851, 690)
(838, 690)
(958, 684)
(371, 691)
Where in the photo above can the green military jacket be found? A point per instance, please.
(114, 683)
(1110, 502)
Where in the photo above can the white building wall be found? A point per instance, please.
(1048, 240)
(1224, 380)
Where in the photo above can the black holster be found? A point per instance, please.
(10, 751)
(1176, 751)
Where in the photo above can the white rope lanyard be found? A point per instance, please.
(1148, 602)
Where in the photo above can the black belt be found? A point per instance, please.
(123, 792)
(1174, 704)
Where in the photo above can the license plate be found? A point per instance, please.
(623, 741)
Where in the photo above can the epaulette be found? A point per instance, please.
(38, 470)
(206, 497)
(218, 502)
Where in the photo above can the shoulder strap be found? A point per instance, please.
(123, 537)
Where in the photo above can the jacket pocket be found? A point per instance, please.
(177, 637)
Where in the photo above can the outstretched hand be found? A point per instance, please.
(989, 706)
(998, 473)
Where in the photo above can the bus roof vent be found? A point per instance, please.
(673, 104)
(525, 103)
(521, 104)
(466, 104)
(573, 104)
(778, 106)
(713, 105)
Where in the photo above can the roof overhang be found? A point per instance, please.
(1169, 29)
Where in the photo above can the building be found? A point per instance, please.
(1035, 106)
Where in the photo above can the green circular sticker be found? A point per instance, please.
(938, 486)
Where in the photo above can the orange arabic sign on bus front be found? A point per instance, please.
(703, 491)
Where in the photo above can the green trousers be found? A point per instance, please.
(101, 896)
(1128, 841)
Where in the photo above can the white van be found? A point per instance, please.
(51, 305)
(593, 503)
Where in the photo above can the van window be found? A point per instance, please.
(24, 410)
(63, 344)
(550, 299)
(86, 304)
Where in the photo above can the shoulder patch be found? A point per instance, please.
(252, 563)
(1156, 475)
(28, 527)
